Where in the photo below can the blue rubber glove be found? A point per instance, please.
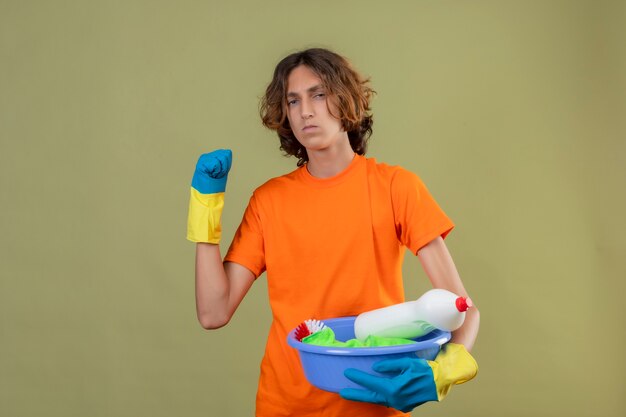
(411, 385)
(412, 381)
(212, 171)
(207, 196)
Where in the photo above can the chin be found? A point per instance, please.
(314, 144)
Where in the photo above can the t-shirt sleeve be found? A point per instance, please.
(248, 248)
(418, 218)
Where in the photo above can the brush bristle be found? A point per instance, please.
(314, 325)
(301, 332)
(307, 328)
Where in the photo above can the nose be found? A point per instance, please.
(306, 109)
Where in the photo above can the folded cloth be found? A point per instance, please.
(326, 337)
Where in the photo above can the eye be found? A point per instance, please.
(319, 95)
(292, 102)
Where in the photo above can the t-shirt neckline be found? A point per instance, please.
(306, 176)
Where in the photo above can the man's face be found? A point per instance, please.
(309, 111)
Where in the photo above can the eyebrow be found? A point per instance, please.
(313, 89)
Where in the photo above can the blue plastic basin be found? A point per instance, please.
(323, 366)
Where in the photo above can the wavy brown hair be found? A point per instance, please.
(349, 90)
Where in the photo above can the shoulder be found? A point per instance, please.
(277, 184)
(393, 174)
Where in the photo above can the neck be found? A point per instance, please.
(329, 162)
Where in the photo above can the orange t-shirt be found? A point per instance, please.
(331, 247)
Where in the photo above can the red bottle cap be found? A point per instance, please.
(463, 303)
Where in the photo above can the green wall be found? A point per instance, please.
(511, 112)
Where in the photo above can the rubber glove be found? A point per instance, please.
(412, 381)
(207, 196)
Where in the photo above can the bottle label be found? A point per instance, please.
(423, 326)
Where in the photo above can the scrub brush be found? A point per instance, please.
(307, 328)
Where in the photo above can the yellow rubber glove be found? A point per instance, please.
(453, 365)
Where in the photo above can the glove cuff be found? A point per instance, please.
(453, 365)
(204, 220)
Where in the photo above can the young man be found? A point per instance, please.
(331, 237)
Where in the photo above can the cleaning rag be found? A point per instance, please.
(326, 337)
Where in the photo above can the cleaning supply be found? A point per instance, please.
(324, 366)
(307, 328)
(436, 309)
(326, 337)
(410, 382)
(207, 196)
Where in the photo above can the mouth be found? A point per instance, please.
(308, 127)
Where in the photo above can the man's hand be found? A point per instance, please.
(412, 381)
(207, 196)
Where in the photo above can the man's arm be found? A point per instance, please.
(411, 382)
(220, 287)
(439, 266)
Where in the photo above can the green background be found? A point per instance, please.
(511, 112)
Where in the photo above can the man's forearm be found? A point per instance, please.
(439, 266)
(466, 334)
(212, 287)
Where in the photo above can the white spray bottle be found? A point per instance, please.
(436, 309)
